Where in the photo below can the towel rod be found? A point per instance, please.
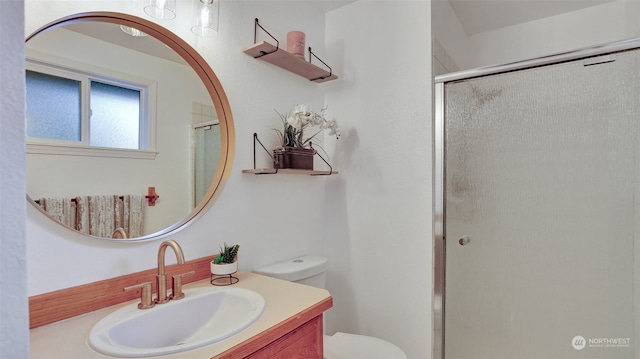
(151, 197)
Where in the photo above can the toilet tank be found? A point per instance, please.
(309, 270)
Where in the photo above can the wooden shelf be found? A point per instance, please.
(270, 53)
(289, 171)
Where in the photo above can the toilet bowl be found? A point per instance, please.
(310, 270)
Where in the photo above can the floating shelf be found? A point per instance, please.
(274, 55)
(289, 171)
(270, 53)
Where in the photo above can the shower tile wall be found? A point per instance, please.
(202, 113)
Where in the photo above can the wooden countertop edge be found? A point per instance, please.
(259, 341)
(62, 304)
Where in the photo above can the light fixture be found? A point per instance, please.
(206, 13)
(161, 9)
(132, 31)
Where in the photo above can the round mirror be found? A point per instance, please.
(129, 132)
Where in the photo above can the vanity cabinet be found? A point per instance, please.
(304, 341)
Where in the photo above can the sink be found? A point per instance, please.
(206, 315)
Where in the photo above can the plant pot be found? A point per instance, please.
(294, 157)
(224, 268)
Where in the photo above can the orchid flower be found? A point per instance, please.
(298, 120)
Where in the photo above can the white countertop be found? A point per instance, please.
(68, 338)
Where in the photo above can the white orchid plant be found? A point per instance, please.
(300, 119)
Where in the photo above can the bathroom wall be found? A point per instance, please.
(613, 21)
(450, 49)
(14, 326)
(608, 22)
(376, 211)
(379, 209)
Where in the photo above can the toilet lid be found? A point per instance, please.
(353, 346)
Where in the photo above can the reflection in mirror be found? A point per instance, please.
(206, 151)
(110, 115)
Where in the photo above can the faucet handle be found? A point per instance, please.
(146, 301)
(177, 285)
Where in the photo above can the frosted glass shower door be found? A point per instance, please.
(540, 185)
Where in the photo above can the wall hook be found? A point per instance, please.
(151, 196)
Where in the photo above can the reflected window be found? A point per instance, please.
(82, 109)
(115, 116)
(53, 107)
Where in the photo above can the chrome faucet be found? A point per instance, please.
(161, 276)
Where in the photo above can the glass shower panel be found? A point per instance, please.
(540, 187)
(206, 156)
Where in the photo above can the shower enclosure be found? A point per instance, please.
(537, 175)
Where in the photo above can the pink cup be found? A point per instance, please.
(295, 43)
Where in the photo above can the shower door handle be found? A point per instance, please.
(464, 241)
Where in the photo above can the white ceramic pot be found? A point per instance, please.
(224, 268)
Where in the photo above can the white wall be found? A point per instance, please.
(379, 209)
(595, 25)
(450, 49)
(14, 335)
(609, 22)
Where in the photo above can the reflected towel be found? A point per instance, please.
(101, 216)
(82, 214)
(133, 214)
(96, 215)
(59, 209)
(128, 214)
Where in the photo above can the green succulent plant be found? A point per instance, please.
(227, 254)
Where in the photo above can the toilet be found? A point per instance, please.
(310, 270)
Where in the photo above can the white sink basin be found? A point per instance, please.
(205, 316)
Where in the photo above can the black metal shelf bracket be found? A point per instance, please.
(325, 161)
(255, 39)
(311, 55)
(275, 160)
